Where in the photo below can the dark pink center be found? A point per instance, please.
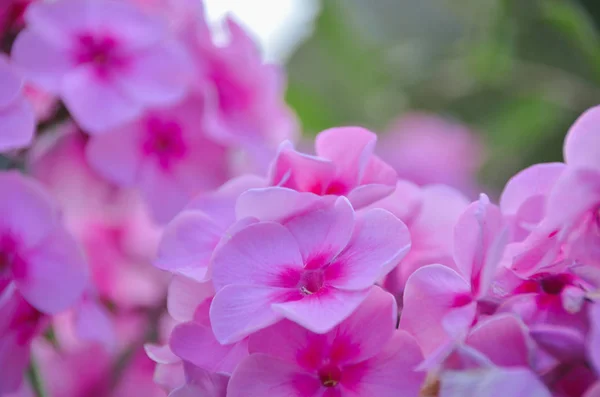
(598, 217)
(336, 188)
(330, 375)
(101, 51)
(164, 141)
(311, 281)
(555, 283)
(10, 263)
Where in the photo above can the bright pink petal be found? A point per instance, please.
(184, 296)
(17, 125)
(405, 202)
(85, 94)
(300, 171)
(116, 155)
(350, 148)
(59, 21)
(41, 62)
(260, 376)
(430, 294)
(56, 274)
(239, 310)
(563, 342)
(582, 144)
(593, 391)
(93, 324)
(275, 203)
(390, 373)
(379, 242)
(322, 311)
(188, 242)
(494, 334)
(157, 76)
(495, 382)
(262, 254)
(323, 233)
(163, 193)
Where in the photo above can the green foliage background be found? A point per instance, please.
(517, 71)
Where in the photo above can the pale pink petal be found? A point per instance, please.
(575, 192)
(10, 82)
(564, 343)
(430, 294)
(495, 382)
(259, 254)
(322, 311)
(116, 155)
(275, 203)
(582, 144)
(188, 242)
(197, 344)
(59, 21)
(184, 296)
(26, 209)
(379, 310)
(84, 93)
(474, 234)
(17, 125)
(300, 171)
(379, 242)
(93, 324)
(157, 76)
(41, 62)
(492, 336)
(593, 391)
(323, 233)
(239, 310)
(350, 148)
(260, 376)
(56, 274)
(161, 354)
(390, 373)
(405, 202)
(202, 383)
(532, 181)
(164, 194)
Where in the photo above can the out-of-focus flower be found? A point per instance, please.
(106, 60)
(17, 123)
(427, 149)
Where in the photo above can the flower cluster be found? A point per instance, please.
(161, 234)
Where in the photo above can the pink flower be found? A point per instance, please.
(36, 252)
(351, 360)
(200, 382)
(17, 122)
(430, 214)
(165, 154)
(105, 59)
(248, 94)
(441, 303)
(19, 324)
(344, 166)
(427, 149)
(313, 269)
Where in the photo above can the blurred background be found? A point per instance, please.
(515, 72)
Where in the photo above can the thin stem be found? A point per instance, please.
(34, 377)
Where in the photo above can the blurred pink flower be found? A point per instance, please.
(36, 252)
(351, 360)
(106, 60)
(426, 149)
(165, 154)
(17, 123)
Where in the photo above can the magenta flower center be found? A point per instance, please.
(330, 375)
(311, 281)
(554, 284)
(100, 51)
(164, 141)
(8, 257)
